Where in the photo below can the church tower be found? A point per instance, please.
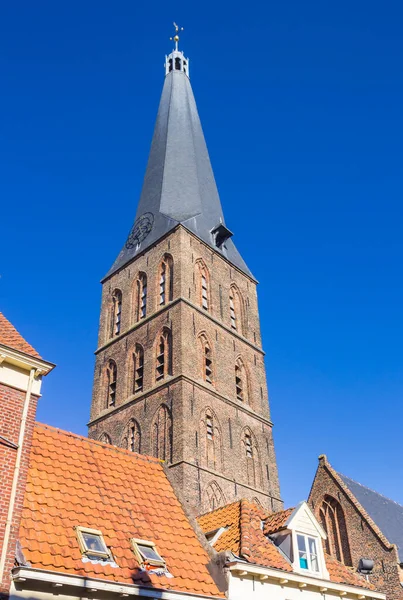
(179, 367)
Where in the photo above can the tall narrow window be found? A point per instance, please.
(134, 437)
(252, 457)
(111, 375)
(203, 284)
(207, 359)
(116, 313)
(166, 280)
(208, 369)
(209, 427)
(141, 297)
(164, 351)
(138, 369)
(232, 310)
(241, 381)
(162, 433)
(236, 309)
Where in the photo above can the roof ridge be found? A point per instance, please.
(370, 489)
(144, 457)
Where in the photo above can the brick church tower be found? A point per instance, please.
(179, 367)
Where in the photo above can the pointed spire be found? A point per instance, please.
(179, 184)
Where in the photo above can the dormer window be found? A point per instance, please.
(307, 553)
(146, 553)
(92, 543)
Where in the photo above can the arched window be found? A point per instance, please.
(116, 313)
(203, 284)
(111, 376)
(207, 359)
(164, 355)
(241, 381)
(236, 309)
(252, 457)
(105, 438)
(333, 522)
(138, 369)
(140, 297)
(214, 497)
(134, 437)
(162, 434)
(210, 441)
(165, 280)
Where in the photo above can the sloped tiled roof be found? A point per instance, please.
(387, 514)
(10, 337)
(76, 481)
(245, 538)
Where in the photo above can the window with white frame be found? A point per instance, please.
(307, 553)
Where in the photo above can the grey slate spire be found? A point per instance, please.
(179, 184)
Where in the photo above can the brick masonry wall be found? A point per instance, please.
(11, 407)
(362, 540)
(195, 464)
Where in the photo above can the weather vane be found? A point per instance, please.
(176, 36)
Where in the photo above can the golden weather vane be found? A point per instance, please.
(176, 36)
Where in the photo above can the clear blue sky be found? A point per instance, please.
(301, 104)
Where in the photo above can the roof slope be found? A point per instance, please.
(76, 481)
(387, 514)
(179, 184)
(245, 538)
(10, 337)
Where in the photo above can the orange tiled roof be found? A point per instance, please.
(9, 336)
(76, 481)
(245, 538)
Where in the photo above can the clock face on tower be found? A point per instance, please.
(140, 230)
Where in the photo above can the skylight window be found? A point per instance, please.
(92, 543)
(146, 553)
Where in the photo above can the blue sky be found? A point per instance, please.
(301, 108)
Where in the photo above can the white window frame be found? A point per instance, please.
(319, 553)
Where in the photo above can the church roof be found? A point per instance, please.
(387, 514)
(245, 529)
(179, 184)
(74, 481)
(10, 337)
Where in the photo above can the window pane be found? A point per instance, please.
(301, 543)
(312, 545)
(94, 542)
(148, 552)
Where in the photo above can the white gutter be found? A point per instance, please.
(241, 569)
(21, 575)
(16, 474)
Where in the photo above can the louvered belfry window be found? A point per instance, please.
(208, 364)
(116, 312)
(232, 310)
(204, 291)
(162, 283)
(138, 364)
(111, 374)
(209, 427)
(163, 364)
(239, 383)
(143, 296)
(248, 445)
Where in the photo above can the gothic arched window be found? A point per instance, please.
(105, 438)
(140, 297)
(165, 280)
(111, 377)
(236, 309)
(214, 497)
(203, 284)
(138, 369)
(134, 437)
(162, 434)
(163, 365)
(241, 381)
(333, 522)
(252, 458)
(207, 359)
(116, 313)
(210, 441)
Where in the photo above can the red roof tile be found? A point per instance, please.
(10, 337)
(76, 481)
(245, 538)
